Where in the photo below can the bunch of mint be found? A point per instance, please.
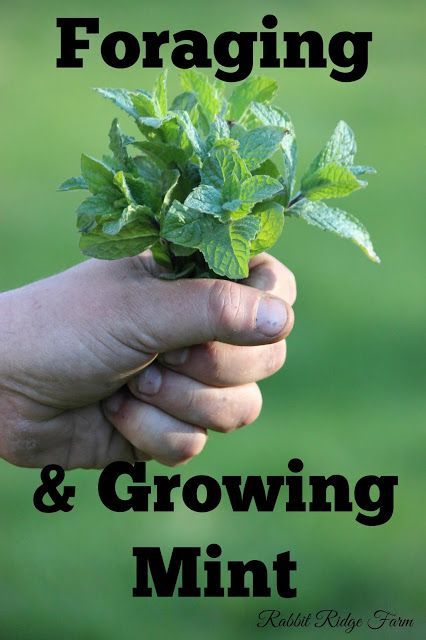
(212, 180)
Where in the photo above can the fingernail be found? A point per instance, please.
(179, 356)
(149, 381)
(271, 316)
(114, 403)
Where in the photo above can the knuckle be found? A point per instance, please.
(213, 361)
(226, 306)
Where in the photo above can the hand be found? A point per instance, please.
(78, 383)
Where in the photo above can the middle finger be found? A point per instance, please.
(220, 409)
(222, 365)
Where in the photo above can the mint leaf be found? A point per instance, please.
(362, 171)
(267, 115)
(330, 181)
(259, 144)
(160, 94)
(98, 177)
(206, 92)
(93, 210)
(186, 101)
(206, 199)
(185, 226)
(118, 145)
(206, 182)
(271, 217)
(121, 182)
(191, 132)
(137, 190)
(129, 236)
(253, 89)
(340, 149)
(225, 170)
(143, 105)
(121, 98)
(258, 188)
(168, 154)
(267, 168)
(225, 246)
(251, 191)
(219, 130)
(227, 251)
(161, 254)
(71, 184)
(339, 222)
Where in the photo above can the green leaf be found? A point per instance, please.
(340, 149)
(206, 92)
(118, 145)
(94, 209)
(99, 205)
(98, 177)
(258, 89)
(360, 171)
(121, 182)
(137, 190)
(167, 153)
(186, 101)
(227, 252)
(121, 98)
(339, 222)
(171, 179)
(160, 94)
(271, 216)
(331, 181)
(73, 183)
(225, 246)
(145, 123)
(219, 130)
(251, 191)
(268, 115)
(206, 199)
(259, 144)
(137, 233)
(182, 252)
(161, 254)
(268, 168)
(191, 132)
(229, 143)
(185, 226)
(189, 179)
(231, 163)
(259, 188)
(143, 105)
(225, 170)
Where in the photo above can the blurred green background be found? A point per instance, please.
(351, 397)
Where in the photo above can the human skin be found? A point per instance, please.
(108, 361)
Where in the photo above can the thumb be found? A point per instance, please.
(188, 312)
(154, 315)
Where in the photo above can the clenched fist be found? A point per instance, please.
(108, 361)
